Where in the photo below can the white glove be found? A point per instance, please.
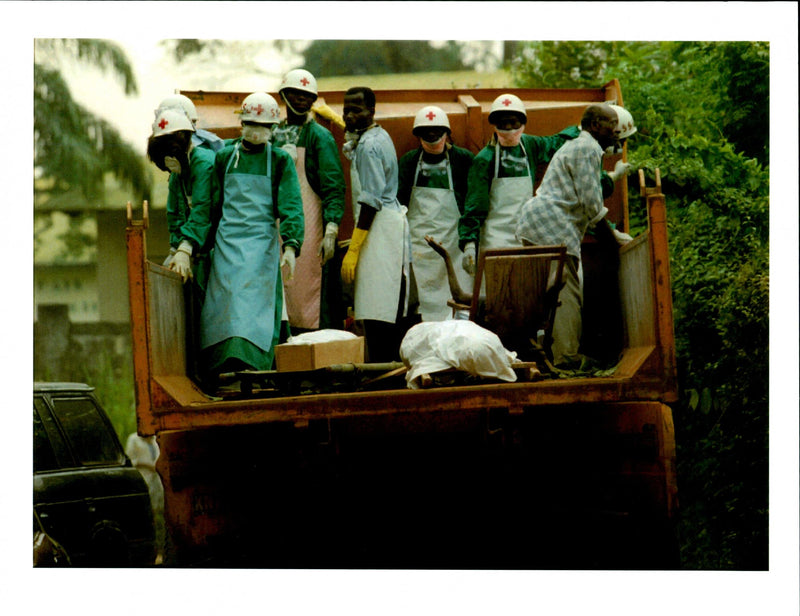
(171, 254)
(182, 261)
(622, 238)
(288, 259)
(621, 169)
(291, 150)
(468, 260)
(328, 247)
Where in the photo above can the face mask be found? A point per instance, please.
(172, 163)
(256, 134)
(509, 138)
(434, 147)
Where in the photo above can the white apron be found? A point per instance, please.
(382, 261)
(304, 291)
(506, 197)
(434, 212)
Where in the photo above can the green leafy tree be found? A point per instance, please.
(700, 109)
(73, 147)
(334, 58)
(561, 64)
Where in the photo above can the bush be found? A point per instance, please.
(687, 100)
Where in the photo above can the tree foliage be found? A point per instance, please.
(73, 147)
(335, 58)
(701, 113)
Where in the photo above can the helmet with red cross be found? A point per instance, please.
(430, 117)
(171, 120)
(299, 79)
(261, 108)
(507, 102)
(179, 101)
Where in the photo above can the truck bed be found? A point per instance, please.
(167, 399)
(552, 473)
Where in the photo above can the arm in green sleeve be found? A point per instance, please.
(197, 225)
(217, 193)
(287, 199)
(405, 175)
(176, 209)
(476, 205)
(461, 160)
(541, 149)
(327, 177)
(607, 184)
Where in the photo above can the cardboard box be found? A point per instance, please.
(294, 357)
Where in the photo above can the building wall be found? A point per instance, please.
(74, 286)
(112, 264)
(98, 292)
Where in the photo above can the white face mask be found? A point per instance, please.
(508, 138)
(256, 134)
(171, 163)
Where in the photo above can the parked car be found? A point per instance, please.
(87, 497)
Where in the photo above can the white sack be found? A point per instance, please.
(433, 346)
(321, 335)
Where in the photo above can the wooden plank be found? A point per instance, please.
(167, 321)
(137, 281)
(662, 290)
(636, 293)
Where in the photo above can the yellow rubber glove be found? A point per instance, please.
(351, 258)
(321, 108)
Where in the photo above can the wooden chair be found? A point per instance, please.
(521, 295)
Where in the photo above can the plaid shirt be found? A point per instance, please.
(569, 199)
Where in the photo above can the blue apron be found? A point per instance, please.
(241, 293)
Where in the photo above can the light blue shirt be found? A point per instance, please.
(376, 161)
(569, 199)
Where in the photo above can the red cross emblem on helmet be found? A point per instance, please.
(304, 81)
(163, 124)
(506, 102)
(430, 115)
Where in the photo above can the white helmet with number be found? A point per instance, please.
(625, 123)
(179, 101)
(431, 116)
(261, 108)
(299, 79)
(508, 102)
(171, 120)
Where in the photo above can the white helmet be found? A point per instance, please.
(431, 116)
(261, 108)
(508, 102)
(179, 101)
(171, 120)
(625, 123)
(299, 79)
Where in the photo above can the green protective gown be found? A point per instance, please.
(189, 209)
(288, 206)
(460, 163)
(324, 173)
(539, 150)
